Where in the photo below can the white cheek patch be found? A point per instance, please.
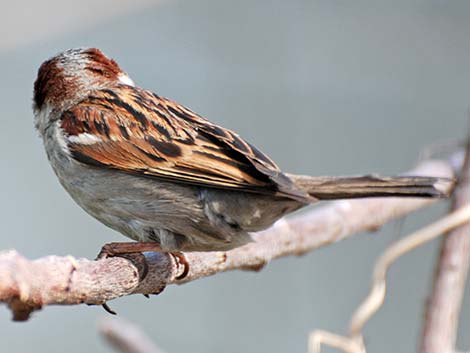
(84, 139)
(123, 78)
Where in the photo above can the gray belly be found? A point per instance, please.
(178, 216)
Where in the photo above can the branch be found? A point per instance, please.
(442, 314)
(354, 342)
(126, 337)
(29, 285)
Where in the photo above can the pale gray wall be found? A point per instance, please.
(324, 87)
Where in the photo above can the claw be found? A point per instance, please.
(108, 309)
(182, 260)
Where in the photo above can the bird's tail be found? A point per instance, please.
(331, 188)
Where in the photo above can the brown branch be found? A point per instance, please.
(28, 285)
(443, 309)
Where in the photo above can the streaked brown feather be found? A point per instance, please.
(144, 134)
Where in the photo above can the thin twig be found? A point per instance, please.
(319, 337)
(125, 337)
(377, 294)
(29, 285)
(375, 299)
(443, 308)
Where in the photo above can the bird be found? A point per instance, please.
(164, 176)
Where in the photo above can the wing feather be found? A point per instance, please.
(136, 131)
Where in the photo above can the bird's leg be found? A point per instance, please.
(116, 249)
(120, 249)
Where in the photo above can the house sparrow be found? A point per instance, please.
(163, 175)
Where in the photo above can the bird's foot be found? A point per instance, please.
(133, 252)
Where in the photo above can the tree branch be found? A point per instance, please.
(374, 300)
(125, 336)
(443, 308)
(27, 285)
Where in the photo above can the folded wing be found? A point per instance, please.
(138, 132)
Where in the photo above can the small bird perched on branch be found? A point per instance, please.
(161, 174)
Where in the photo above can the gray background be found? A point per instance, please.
(324, 87)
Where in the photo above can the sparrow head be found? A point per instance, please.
(70, 76)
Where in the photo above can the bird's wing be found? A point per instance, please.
(138, 132)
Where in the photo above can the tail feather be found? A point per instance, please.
(330, 188)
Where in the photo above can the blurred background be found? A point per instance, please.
(323, 87)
